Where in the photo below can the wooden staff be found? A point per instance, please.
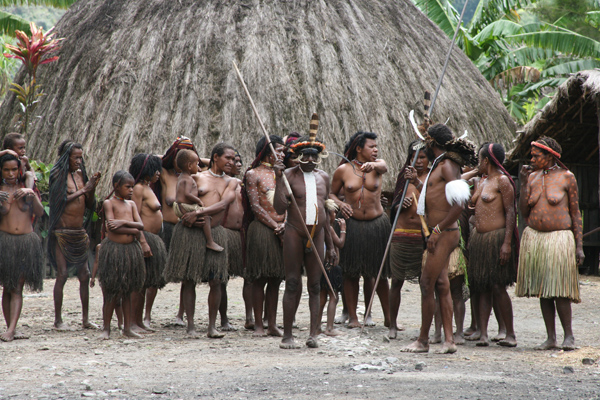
(285, 181)
(422, 218)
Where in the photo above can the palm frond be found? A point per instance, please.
(497, 29)
(571, 67)
(488, 11)
(441, 13)
(566, 42)
(9, 23)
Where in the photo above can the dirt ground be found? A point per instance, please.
(52, 365)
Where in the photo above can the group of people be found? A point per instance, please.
(190, 220)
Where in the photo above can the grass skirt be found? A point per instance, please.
(335, 277)
(456, 263)
(21, 255)
(155, 265)
(548, 265)
(166, 233)
(484, 268)
(364, 247)
(264, 253)
(121, 268)
(234, 253)
(190, 260)
(406, 253)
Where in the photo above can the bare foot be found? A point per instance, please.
(393, 333)
(274, 332)
(89, 325)
(469, 331)
(459, 339)
(139, 330)
(312, 343)
(259, 333)
(131, 334)
(249, 325)
(215, 247)
(7, 337)
(509, 341)
(416, 347)
(483, 342)
(295, 325)
(332, 332)
(568, 344)
(191, 333)
(447, 348)
(289, 344)
(353, 324)
(20, 336)
(500, 336)
(146, 327)
(341, 319)
(62, 327)
(147, 321)
(178, 321)
(105, 335)
(214, 334)
(474, 336)
(437, 338)
(547, 345)
(369, 321)
(227, 327)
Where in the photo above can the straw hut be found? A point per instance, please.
(572, 118)
(133, 75)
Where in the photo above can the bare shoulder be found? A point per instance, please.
(322, 174)
(342, 169)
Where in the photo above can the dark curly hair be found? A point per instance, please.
(553, 144)
(144, 166)
(121, 176)
(460, 151)
(10, 139)
(497, 149)
(9, 157)
(219, 150)
(357, 140)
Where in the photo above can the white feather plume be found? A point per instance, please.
(411, 117)
(458, 192)
(464, 135)
(330, 205)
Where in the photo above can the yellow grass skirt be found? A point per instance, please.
(456, 263)
(548, 265)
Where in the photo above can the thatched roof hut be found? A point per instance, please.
(572, 118)
(135, 74)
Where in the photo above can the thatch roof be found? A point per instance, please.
(135, 74)
(571, 117)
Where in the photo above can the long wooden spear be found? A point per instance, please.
(285, 181)
(389, 242)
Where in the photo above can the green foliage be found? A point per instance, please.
(42, 175)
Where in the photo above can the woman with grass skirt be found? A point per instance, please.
(552, 243)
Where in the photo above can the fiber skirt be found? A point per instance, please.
(335, 277)
(167, 233)
(121, 268)
(235, 256)
(456, 263)
(190, 260)
(548, 265)
(155, 265)
(264, 253)
(364, 247)
(21, 256)
(406, 253)
(484, 268)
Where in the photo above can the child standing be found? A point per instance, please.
(186, 198)
(121, 266)
(334, 273)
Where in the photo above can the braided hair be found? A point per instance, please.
(357, 140)
(144, 166)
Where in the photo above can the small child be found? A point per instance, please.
(334, 273)
(14, 143)
(186, 197)
(121, 268)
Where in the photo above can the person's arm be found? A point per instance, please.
(259, 212)
(28, 195)
(379, 166)
(508, 199)
(120, 226)
(337, 183)
(341, 240)
(575, 213)
(227, 198)
(282, 197)
(9, 151)
(4, 208)
(185, 186)
(524, 176)
(90, 186)
(142, 238)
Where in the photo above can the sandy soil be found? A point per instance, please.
(166, 364)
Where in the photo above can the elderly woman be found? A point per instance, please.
(551, 247)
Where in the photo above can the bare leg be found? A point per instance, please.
(225, 325)
(151, 293)
(293, 285)
(6, 296)
(344, 317)
(485, 307)
(179, 316)
(549, 313)
(330, 330)
(383, 292)
(458, 304)
(119, 312)
(272, 296)
(137, 311)
(247, 296)
(214, 302)
(502, 299)
(59, 284)
(210, 243)
(258, 299)
(368, 285)
(351, 290)
(322, 302)
(188, 289)
(395, 299)
(563, 308)
(16, 305)
(107, 311)
(83, 273)
(499, 317)
(437, 323)
(474, 333)
(128, 317)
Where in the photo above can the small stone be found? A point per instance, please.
(159, 390)
(568, 370)
(171, 360)
(59, 373)
(88, 394)
(86, 338)
(44, 348)
(98, 352)
(386, 339)
(420, 366)
(588, 361)
(391, 360)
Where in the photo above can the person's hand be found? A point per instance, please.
(25, 193)
(431, 242)
(407, 202)
(4, 196)
(367, 167)
(342, 223)
(25, 163)
(505, 253)
(92, 183)
(280, 230)
(331, 256)
(526, 170)
(580, 256)
(189, 218)
(146, 250)
(346, 210)
(114, 224)
(92, 282)
(278, 167)
(410, 174)
(384, 201)
(11, 152)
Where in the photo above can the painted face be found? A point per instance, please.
(225, 162)
(10, 171)
(309, 162)
(279, 153)
(422, 161)
(19, 147)
(539, 159)
(75, 159)
(484, 163)
(368, 153)
(125, 189)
